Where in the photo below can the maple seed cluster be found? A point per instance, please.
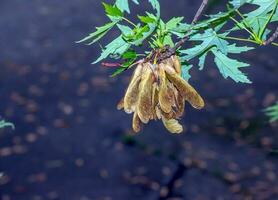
(157, 91)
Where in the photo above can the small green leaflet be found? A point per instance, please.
(235, 49)
(265, 7)
(115, 14)
(169, 29)
(173, 23)
(123, 5)
(155, 4)
(117, 47)
(151, 26)
(237, 3)
(125, 67)
(202, 60)
(137, 35)
(99, 33)
(119, 71)
(4, 124)
(131, 54)
(140, 33)
(272, 112)
(125, 29)
(168, 40)
(185, 68)
(181, 30)
(147, 33)
(230, 67)
(257, 22)
(146, 19)
(113, 11)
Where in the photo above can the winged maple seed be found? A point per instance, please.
(158, 92)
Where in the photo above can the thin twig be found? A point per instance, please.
(272, 38)
(173, 50)
(106, 64)
(194, 21)
(200, 11)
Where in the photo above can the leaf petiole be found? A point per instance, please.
(245, 27)
(128, 21)
(268, 21)
(239, 39)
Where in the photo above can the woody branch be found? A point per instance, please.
(272, 38)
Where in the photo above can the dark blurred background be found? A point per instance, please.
(71, 143)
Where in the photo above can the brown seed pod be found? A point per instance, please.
(144, 104)
(176, 64)
(154, 99)
(180, 101)
(169, 115)
(171, 92)
(159, 92)
(120, 105)
(164, 97)
(186, 90)
(131, 95)
(172, 125)
(169, 67)
(136, 123)
(158, 112)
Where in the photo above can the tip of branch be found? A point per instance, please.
(104, 64)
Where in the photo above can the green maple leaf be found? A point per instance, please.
(230, 67)
(208, 39)
(211, 41)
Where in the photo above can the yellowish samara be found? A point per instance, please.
(157, 91)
